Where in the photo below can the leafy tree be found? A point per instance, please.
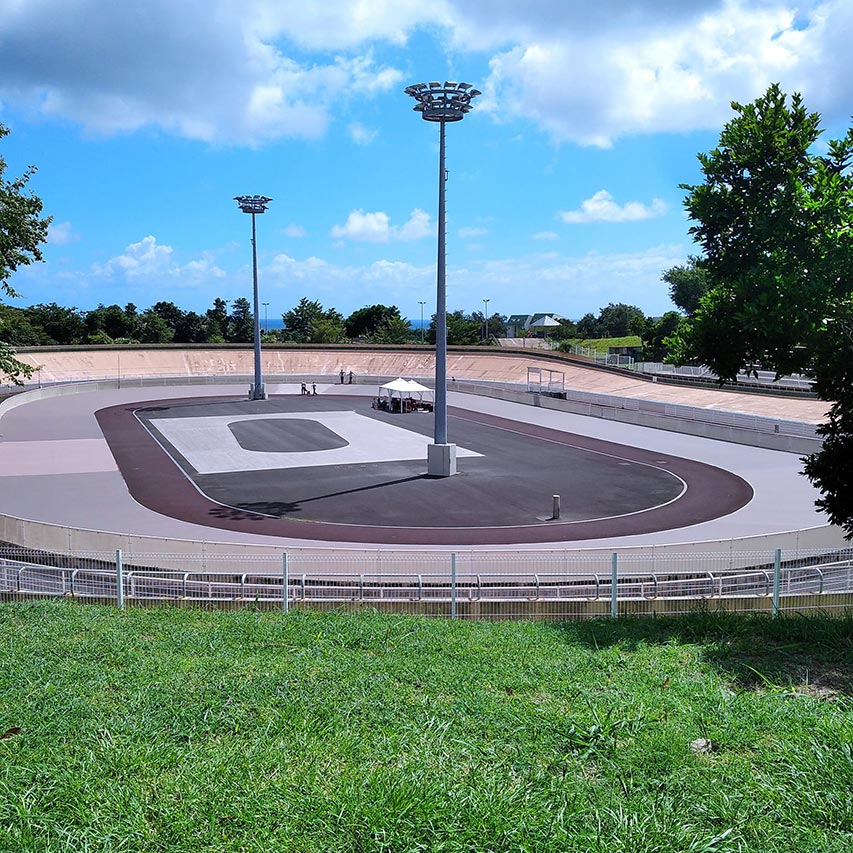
(111, 319)
(16, 329)
(395, 330)
(656, 333)
(192, 329)
(299, 321)
(98, 338)
(169, 313)
(310, 323)
(566, 329)
(329, 328)
(241, 323)
(60, 325)
(587, 327)
(774, 219)
(22, 231)
(497, 324)
(687, 284)
(462, 329)
(217, 322)
(366, 322)
(618, 320)
(153, 329)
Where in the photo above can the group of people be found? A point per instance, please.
(397, 404)
(345, 377)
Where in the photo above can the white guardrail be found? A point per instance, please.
(412, 578)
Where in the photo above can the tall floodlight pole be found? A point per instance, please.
(255, 204)
(486, 318)
(441, 103)
(266, 321)
(422, 319)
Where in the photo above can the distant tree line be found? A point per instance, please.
(309, 322)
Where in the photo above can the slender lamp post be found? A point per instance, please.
(422, 319)
(255, 204)
(486, 318)
(266, 322)
(441, 103)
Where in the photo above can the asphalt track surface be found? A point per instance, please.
(501, 496)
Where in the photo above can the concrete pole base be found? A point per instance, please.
(441, 460)
(257, 392)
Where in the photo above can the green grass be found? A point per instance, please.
(604, 344)
(173, 730)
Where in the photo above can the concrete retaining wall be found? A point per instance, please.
(753, 438)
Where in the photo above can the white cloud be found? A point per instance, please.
(149, 261)
(247, 71)
(466, 233)
(142, 258)
(371, 227)
(664, 72)
(362, 135)
(572, 285)
(376, 227)
(418, 226)
(546, 235)
(348, 287)
(221, 73)
(294, 231)
(601, 208)
(61, 234)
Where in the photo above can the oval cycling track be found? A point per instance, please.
(608, 489)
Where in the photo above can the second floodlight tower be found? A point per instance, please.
(441, 103)
(255, 204)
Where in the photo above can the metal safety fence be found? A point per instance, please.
(468, 584)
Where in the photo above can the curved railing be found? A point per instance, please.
(305, 582)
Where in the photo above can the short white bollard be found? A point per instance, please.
(555, 506)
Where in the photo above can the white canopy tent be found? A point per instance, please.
(405, 389)
(545, 323)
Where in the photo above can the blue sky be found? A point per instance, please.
(145, 119)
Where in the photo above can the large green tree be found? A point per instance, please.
(60, 325)
(22, 231)
(774, 218)
(310, 323)
(462, 329)
(688, 283)
(366, 322)
(241, 323)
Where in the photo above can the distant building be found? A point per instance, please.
(518, 323)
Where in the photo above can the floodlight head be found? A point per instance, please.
(252, 203)
(437, 102)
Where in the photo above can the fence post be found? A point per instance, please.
(119, 581)
(285, 583)
(453, 586)
(777, 580)
(614, 583)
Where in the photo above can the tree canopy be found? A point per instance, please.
(22, 231)
(310, 323)
(774, 218)
(688, 283)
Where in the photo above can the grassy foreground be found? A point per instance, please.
(172, 730)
